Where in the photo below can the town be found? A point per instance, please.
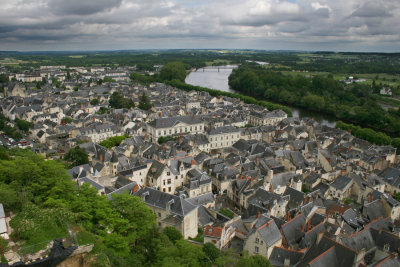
(213, 167)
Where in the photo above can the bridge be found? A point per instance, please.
(218, 68)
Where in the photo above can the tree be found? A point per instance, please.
(113, 141)
(67, 120)
(23, 125)
(118, 101)
(3, 78)
(252, 261)
(94, 102)
(211, 251)
(77, 156)
(144, 102)
(172, 233)
(173, 71)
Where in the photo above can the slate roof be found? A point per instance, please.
(279, 254)
(160, 200)
(269, 232)
(320, 256)
(293, 229)
(374, 210)
(223, 130)
(171, 121)
(341, 182)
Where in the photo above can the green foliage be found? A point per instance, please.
(226, 212)
(370, 135)
(9, 197)
(82, 141)
(113, 141)
(164, 139)
(396, 196)
(144, 102)
(118, 101)
(353, 102)
(76, 156)
(182, 254)
(173, 71)
(349, 201)
(144, 79)
(172, 233)
(3, 246)
(253, 261)
(216, 93)
(12, 132)
(3, 78)
(66, 120)
(109, 79)
(200, 235)
(211, 251)
(23, 125)
(39, 225)
(304, 189)
(94, 102)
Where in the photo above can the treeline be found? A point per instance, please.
(216, 93)
(46, 201)
(370, 135)
(352, 103)
(174, 74)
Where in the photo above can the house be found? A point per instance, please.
(175, 126)
(385, 91)
(171, 210)
(340, 188)
(224, 136)
(266, 118)
(263, 237)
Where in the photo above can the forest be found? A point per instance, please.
(47, 203)
(356, 103)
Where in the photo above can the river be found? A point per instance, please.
(216, 77)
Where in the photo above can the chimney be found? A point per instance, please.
(360, 257)
(172, 201)
(258, 215)
(144, 195)
(270, 175)
(286, 263)
(192, 162)
(319, 237)
(193, 116)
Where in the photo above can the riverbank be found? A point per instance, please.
(244, 98)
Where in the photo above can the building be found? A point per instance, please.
(224, 136)
(175, 126)
(171, 210)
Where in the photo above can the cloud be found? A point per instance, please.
(261, 24)
(81, 7)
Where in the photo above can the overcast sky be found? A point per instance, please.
(339, 25)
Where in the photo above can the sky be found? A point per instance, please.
(328, 25)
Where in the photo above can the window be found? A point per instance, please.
(169, 181)
(195, 128)
(257, 240)
(211, 139)
(169, 189)
(256, 249)
(159, 214)
(176, 177)
(168, 173)
(169, 131)
(163, 182)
